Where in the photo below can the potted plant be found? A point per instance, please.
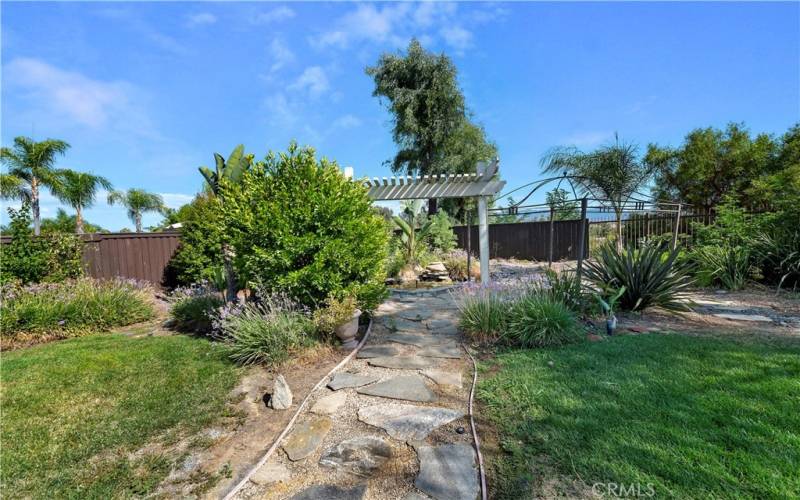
(339, 316)
(608, 308)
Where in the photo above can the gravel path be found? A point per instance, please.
(395, 431)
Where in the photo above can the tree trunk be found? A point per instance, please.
(432, 206)
(78, 220)
(138, 221)
(619, 231)
(230, 278)
(37, 225)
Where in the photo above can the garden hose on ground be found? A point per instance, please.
(232, 493)
(484, 492)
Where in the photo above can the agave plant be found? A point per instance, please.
(648, 275)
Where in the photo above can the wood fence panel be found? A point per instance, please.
(528, 240)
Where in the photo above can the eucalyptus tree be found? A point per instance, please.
(30, 167)
(613, 171)
(138, 202)
(79, 190)
(226, 171)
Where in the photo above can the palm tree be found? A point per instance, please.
(137, 201)
(30, 167)
(78, 190)
(615, 171)
(227, 171)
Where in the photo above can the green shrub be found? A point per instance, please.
(722, 265)
(199, 255)
(484, 312)
(49, 258)
(335, 312)
(440, 235)
(538, 320)
(71, 308)
(299, 226)
(194, 308)
(456, 263)
(777, 251)
(648, 275)
(566, 288)
(267, 332)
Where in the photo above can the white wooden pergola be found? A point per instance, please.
(480, 185)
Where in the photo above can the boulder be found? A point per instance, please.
(281, 398)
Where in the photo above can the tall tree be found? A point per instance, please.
(422, 93)
(79, 190)
(30, 167)
(138, 202)
(562, 204)
(227, 171)
(614, 172)
(711, 164)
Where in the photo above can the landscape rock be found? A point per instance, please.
(416, 314)
(329, 404)
(360, 455)
(442, 377)
(345, 380)
(270, 473)
(281, 398)
(408, 387)
(407, 422)
(418, 340)
(375, 351)
(401, 362)
(744, 317)
(448, 472)
(305, 438)
(436, 267)
(441, 351)
(331, 492)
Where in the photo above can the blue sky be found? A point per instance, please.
(146, 92)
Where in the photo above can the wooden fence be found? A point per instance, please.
(140, 256)
(529, 240)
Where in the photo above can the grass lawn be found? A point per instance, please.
(695, 417)
(74, 411)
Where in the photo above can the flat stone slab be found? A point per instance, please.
(439, 323)
(744, 317)
(413, 495)
(441, 351)
(376, 351)
(345, 380)
(331, 492)
(448, 472)
(419, 340)
(270, 473)
(401, 362)
(329, 404)
(403, 325)
(442, 377)
(360, 455)
(305, 438)
(408, 387)
(416, 314)
(407, 422)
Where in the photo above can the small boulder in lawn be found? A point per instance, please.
(281, 398)
(591, 337)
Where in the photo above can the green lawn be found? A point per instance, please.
(695, 417)
(73, 411)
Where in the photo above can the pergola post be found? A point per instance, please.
(483, 238)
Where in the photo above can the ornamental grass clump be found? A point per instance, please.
(193, 308)
(36, 313)
(484, 310)
(269, 330)
(540, 320)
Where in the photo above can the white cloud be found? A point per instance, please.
(176, 200)
(457, 37)
(430, 12)
(588, 139)
(88, 102)
(280, 54)
(366, 22)
(278, 14)
(313, 79)
(201, 19)
(347, 121)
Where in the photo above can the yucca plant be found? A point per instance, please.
(779, 254)
(648, 274)
(725, 265)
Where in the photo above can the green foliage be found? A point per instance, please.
(777, 250)
(200, 250)
(34, 259)
(335, 312)
(193, 309)
(441, 236)
(565, 287)
(648, 275)
(609, 303)
(456, 263)
(412, 239)
(75, 307)
(231, 170)
(539, 320)
(138, 202)
(484, 315)
(65, 223)
(78, 190)
(724, 265)
(267, 332)
(297, 225)
(562, 204)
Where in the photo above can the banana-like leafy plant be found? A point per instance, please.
(412, 237)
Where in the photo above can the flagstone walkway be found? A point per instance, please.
(392, 424)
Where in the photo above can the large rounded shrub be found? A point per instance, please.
(539, 320)
(299, 226)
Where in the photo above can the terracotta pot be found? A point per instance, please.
(347, 331)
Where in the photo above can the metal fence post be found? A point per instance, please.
(581, 238)
(552, 229)
(676, 228)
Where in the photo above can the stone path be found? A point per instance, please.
(393, 423)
